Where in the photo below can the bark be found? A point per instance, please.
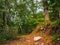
(46, 12)
(47, 19)
(5, 16)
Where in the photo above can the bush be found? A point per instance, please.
(11, 33)
(55, 37)
(57, 22)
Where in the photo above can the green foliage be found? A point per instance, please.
(55, 37)
(58, 21)
(10, 23)
(11, 33)
(55, 23)
(2, 38)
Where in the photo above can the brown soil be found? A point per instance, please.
(28, 40)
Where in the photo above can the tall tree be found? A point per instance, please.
(5, 10)
(46, 12)
(47, 19)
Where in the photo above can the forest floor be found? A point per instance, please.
(29, 40)
(45, 40)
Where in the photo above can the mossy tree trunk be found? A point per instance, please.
(47, 19)
(46, 12)
(5, 14)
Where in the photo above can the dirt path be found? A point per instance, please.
(29, 40)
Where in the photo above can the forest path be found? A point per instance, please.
(29, 39)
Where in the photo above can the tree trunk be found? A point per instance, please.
(5, 16)
(46, 12)
(47, 19)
